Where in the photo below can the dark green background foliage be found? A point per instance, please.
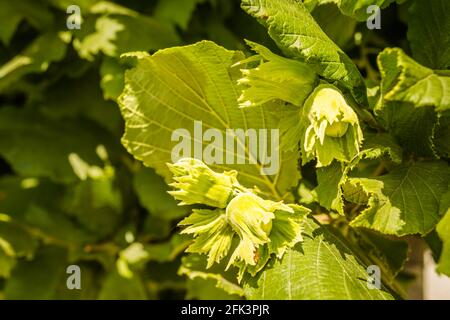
(71, 194)
(57, 105)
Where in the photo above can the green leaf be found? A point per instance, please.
(152, 193)
(320, 268)
(163, 276)
(217, 28)
(434, 243)
(167, 251)
(175, 87)
(90, 104)
(10, 21)
(46, 272)
(299, 36)
(337, 26)
(117, 287)
(17, 194)
(404, 80)
(112, 78)
(19, 243)
(131, 260)
(36, 58)
(85, 5)
(178, 12)
(28, 135)
(329, 192)
(12, 13)
(56, 226)
(194, 267)
(15, 241)
(30, 210)
(442, 135)
(388, 252)
(95, 203)
(156, 228)
(412, 127)
(410, 93)
(378, 145)
(443, 229)
(7, 262)
(109, 7)
(429, 32)
(445, 202)
(114, 34)
(404, 201)
(205, 289)
(373, 93)
(357, 9)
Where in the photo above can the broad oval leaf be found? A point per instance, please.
(404, 201)
(321, 267)
(429, 32)
(176, 89)
(405, 80)
(411, 95)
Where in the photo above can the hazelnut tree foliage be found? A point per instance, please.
(86, 122)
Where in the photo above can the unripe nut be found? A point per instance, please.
(337, 129)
